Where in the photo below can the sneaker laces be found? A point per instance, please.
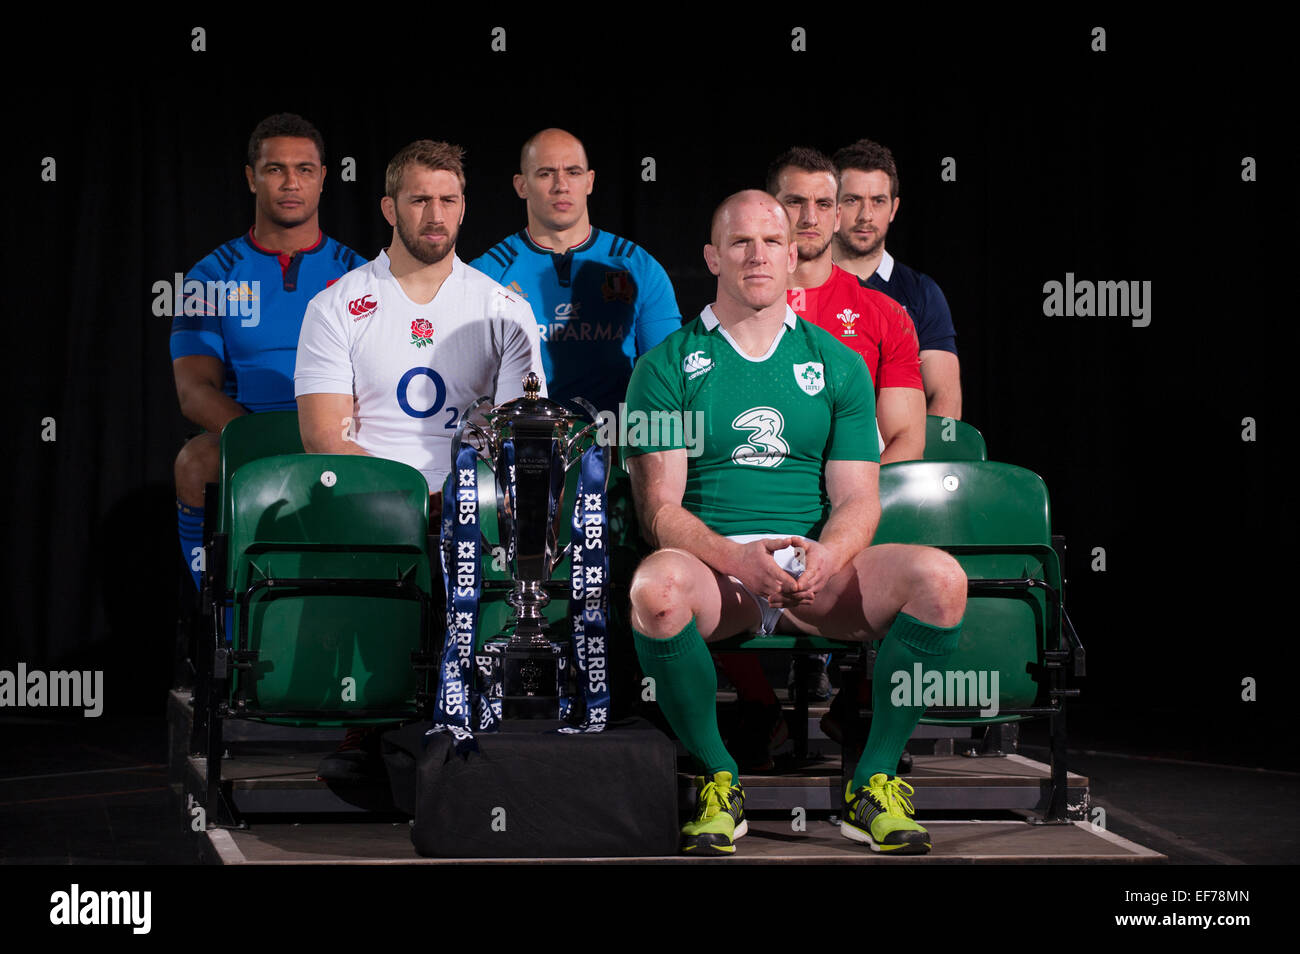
(714, 798)
(895, 792)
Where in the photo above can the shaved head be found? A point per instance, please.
(735, 201)
(554, 181)
(751, 253)
(540, 141)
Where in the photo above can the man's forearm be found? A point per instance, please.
(332, 442)
(945, 401)
(941, 378)
(908, 444)
(210, 408)
(849, 529)
(674, 526)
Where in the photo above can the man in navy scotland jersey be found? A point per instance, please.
(235, 337)
(599, 300)
(868, 203)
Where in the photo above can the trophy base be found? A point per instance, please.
(530, 708)
(530, 681)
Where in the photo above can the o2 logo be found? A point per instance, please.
(439, 396)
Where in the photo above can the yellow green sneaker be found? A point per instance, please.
(719, 817)
(879, 814)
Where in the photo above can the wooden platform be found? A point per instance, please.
(942, 783)
(980, 808)
(768, 842)
(273, 770)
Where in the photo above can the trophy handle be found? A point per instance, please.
(569, 457)
(589, 408)
(466, 426)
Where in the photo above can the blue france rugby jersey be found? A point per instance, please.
(599, 306)
(247, 311)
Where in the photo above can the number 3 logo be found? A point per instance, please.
(765, 448)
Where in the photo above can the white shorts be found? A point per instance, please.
(785, 558)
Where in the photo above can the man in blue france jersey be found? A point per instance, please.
(868, 202)
(599, 300)
(235, 337)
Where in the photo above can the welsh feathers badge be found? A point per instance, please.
(810, 377)
(421, 332)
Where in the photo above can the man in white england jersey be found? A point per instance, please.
(394, 352)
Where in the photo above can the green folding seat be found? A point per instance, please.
(329, 565)
(244, 439)
(947, 438)
(249, 438)
(995, 519)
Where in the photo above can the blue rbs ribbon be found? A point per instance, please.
(589, 595)
(463, 569)
(458, 698)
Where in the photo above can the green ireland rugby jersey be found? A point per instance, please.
(757, 431)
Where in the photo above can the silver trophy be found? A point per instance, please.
(526, 441)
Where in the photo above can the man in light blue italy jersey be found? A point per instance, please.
(600, 301)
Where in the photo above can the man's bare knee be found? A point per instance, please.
(662, 594)
(198, 463)
(942, 587)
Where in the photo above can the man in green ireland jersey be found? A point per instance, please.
(767, 527)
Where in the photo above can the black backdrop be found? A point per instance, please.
(1116, 165)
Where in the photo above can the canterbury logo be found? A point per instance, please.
(695, 364)
(360, 307)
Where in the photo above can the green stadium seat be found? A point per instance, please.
(329, 565)
(949, 439)
(996, 520)
(243, 439)
(250, 438)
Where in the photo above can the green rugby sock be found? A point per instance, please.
(909, 641)
(686, 688)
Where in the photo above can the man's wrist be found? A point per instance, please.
(717, 552)
(729, 562)
(837, 554)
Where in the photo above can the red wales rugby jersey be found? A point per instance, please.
(869, 322)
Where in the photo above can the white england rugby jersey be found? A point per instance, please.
(413, 369)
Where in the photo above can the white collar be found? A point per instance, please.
(886, 266)
(385, 264)
(710, 321)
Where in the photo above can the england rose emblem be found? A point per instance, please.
(421, 332)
